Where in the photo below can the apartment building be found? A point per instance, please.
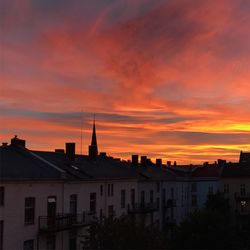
(235, 184)
(203, 182)
(49, 199)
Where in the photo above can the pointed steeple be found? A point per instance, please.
(94, 141)
(93, 149)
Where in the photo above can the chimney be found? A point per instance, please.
(143, 161)
(18, 142)
(168, 163)
(135, 160)
(70, 150)
(158, 163)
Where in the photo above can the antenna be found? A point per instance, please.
(81, 130)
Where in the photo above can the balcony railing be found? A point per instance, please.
(63, 222)
(142, 208)
(242, 196)
(170, 203)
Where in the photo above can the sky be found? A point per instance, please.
(166, 78)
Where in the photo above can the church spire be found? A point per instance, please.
(93, 149)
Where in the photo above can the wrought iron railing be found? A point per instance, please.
(62, 222)
(142, 208)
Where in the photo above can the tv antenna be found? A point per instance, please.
(81, 130)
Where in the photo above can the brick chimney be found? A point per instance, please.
(158, 163)
(144, 161)
(18, 142)
(135, 160)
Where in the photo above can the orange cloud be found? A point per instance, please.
(167, 79)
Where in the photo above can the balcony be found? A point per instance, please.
(170, 203)
(240, 196)
(63, 222)
(139, 208)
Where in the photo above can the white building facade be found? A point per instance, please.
(49, 199)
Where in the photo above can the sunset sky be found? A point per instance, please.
(168, 79)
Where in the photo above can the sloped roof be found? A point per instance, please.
(156, 173)
(18, 163)
(206, 172)
(236, 171)
(101, 168)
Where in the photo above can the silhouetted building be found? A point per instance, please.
(244, 157)
(18, 142)
(62, 192)
(93, 149)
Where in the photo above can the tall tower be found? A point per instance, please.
(93, 149)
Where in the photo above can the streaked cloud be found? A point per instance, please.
(166, 78)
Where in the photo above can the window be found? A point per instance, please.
(158, 187)
(151, 219)
(151, 196)
(158, 203)
(29, 213)
(72, 244)
(210, 190)
(132, 197)
(92, 203)
(28, 245)
(163, 196)
(194, 200)
(194, 187)
(243, 204)
(243, 189)
(73, 204)
(112, 189)
(51, 242)
(1, 234)
(108, 189)
(51, 209)
(72, 240)
(172, 193)
(123, 198)
(226, 188)
(101, 190)
(1, 196)
(142, 198)
(111, 211)
(101, 214)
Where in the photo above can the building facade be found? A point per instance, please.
(49, 199)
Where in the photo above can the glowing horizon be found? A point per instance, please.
(166, 79)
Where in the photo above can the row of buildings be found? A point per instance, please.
(48, 199)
